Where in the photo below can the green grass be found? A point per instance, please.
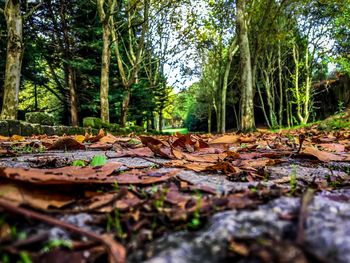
(173, 131)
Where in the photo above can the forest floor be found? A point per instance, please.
(260, 197)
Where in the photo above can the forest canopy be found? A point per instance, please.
(202, 64)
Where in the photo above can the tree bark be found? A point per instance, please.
(209, 117)
(104, 88)
(124, 108)
(247, 94)
(68, 69)
(73, 97)
(231, 52)
(105, 19)
(14, 55)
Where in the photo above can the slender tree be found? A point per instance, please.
(247, 93)
(105, 10)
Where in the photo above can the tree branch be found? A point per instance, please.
(2, 11)
(30, 13)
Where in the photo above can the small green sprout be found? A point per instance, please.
(57, 243)
(98, 160)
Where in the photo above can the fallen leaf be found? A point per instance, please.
(333, 147)
(321, 155)
(109, 138)
(35, 198)
(226, 139)
(64, 175)
(92, 139)
(66, 143)
(79, 138)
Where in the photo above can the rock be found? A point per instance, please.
(48, 130)
(4, 128)
(37, 130)
(14, 127)
(327, 232)
(26, 129)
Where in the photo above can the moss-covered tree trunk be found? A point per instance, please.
(14, 57)
(105, 18)
(247, 93)
(124, 108)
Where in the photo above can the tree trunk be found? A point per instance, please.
(73, 97)
(68, 69)
(160, 127)
(14, 55)
(247, 94)
(124, 108)
(232, 50)
(209, 117)
(280, 72)
(104, 88)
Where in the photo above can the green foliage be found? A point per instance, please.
(195, 222)
(137, 129)
(40, 118)
(57, 243)
(92, 122)
(98, 160)
(114, 223)
(293, 180)
(24, 257)
(78, 163)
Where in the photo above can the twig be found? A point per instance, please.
(305, 201)
(116, 250)
(30, 13)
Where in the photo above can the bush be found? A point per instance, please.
(93, 122)
(137, 129)
(114, 127)
(42, 118)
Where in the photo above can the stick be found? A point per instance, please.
(115, 249)
(305, 201)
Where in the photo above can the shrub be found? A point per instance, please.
(92, 122)
(138, 129)
(114, 127)
(42, 118)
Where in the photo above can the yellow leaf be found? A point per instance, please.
(17, 138)
(79, 138)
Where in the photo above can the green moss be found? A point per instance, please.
(26, 129)
(40, 118)
(4, 128)
(93, 122)
(14, 127)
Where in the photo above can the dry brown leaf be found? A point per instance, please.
(333, 147)
(92, 139)
(226, 139)
(66, 143)
(35, 198)
(137, 152)
(64, 175)
(322, 155)
(109, 138)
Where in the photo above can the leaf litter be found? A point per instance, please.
(130, 205)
